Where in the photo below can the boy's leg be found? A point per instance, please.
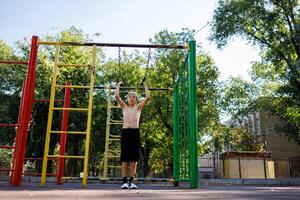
(125, 184)
(124, 169)
(133, 165)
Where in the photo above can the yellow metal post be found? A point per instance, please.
(89, 118)
(50, 115)
(106, 152)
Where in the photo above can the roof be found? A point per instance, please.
(232, 154)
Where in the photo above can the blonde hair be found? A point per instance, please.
(132, 93)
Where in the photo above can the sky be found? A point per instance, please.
(124, 21)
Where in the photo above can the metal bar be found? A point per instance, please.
(175, 137)
(162, 46)
(192, 118)
(10, 125)
(46, 100)
(113, 166)
(7, 147)
(107, 133)
(73, 86)
(71, 109)
(17, 138)
(14, 62)
(40, 159)
(37, 174)
(89, 117)
(73, 65)
(69, 132)
(64, 156)
(26, 110)
(132, 88)
(50, 116)
(5, 169)
(115, 139)
(63, 136)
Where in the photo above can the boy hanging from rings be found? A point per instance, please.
(130, 134)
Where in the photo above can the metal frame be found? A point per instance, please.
(115, 45)
(27, 101)
(185, 122)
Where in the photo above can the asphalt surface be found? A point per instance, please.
(71, 191)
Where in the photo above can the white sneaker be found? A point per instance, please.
(133, 186)
(125, 186)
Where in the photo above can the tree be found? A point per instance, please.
(274, 26)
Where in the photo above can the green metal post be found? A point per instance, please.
(192, 122)
(175, 137)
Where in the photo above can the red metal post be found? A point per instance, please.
(63, 136)
(25, 115)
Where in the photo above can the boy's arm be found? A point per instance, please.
(147, 97)
(117, 96)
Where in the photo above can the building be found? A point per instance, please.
(283, 151)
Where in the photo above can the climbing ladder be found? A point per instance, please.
(49, 131)
(112, 140)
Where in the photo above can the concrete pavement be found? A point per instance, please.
(70, 191)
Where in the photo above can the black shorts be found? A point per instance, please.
(130, 144)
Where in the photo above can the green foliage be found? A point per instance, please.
(6, 158)
(273, 26)
(234, 139)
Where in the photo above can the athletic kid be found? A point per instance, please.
(130, 134)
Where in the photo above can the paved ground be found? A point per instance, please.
(70, 191)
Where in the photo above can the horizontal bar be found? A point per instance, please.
(68, 132)
(37, 174)
(7, 147)
(132, 88)
(114, 139)
(111, 166)
(115, 107)
(184, 180)
(73, 86)
(73, 65)
(162, 46)
(11, 125)
(14, 62)
(71, 109)
(115, 151)
(39, 158)
(113, 156)
(46, 100)
(5, 170)
(117, 123)
(114, 136)
(71, 178)
(64, 156)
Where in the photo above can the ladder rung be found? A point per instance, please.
(114, 136)
(64, 156)
(69, 132)
(113, 156)
(73, 86)
(73, 65)
(114, 152)
(116, 120)
(71, 109)
(115, 107)
(114, 139)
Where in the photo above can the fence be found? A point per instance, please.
(211, 166)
